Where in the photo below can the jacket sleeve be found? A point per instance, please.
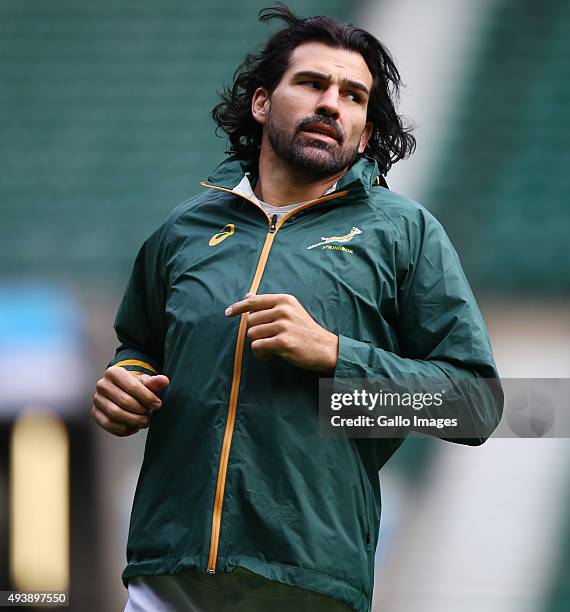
(140, 323)
(441, 333)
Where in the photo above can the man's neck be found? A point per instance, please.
(278, 186)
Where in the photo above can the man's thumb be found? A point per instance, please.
(156, 383)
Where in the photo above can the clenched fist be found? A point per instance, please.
(123, 401)
(278, 324)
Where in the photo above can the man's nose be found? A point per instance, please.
(328, 103)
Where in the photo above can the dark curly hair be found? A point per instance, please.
(391, 140)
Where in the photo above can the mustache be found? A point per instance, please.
(324, 120)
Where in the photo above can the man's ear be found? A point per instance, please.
(366, 134)
(260, 105)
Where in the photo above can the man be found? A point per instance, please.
(296, 262)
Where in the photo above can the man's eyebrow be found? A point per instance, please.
(328, 77)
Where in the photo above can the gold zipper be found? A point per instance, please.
(236, 376)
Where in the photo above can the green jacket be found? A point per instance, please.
(234, 470)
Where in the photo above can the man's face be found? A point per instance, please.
(315, 119)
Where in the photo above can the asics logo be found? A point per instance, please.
(227, 230)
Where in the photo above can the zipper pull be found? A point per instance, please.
(273, 222)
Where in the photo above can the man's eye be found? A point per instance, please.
(355, 97)
(312, 84)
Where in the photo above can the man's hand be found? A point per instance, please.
(123, 402)
(279, 325)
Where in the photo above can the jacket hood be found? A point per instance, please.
(358, 180)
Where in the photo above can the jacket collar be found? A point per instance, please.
(357, 181)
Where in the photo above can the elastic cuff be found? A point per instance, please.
(137, 367)
(343, 365)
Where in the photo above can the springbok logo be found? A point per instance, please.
(346, 238)
(227, 230)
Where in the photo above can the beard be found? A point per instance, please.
(312, 159)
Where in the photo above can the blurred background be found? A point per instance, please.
(105, 127)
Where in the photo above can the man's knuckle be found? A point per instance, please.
(113, 411)
(284, 341)
(149, 397)
(127, 401)
(129, 381)
(114, 372)
(108, 425)
(101, 419)
(252, 319)
(133, 417)
(130, 420)
(101, 406)
(135, 389)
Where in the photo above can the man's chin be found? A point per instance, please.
(316, 163)
(317, 151)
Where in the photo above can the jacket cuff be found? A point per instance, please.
(353, 358)
(135, 362)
